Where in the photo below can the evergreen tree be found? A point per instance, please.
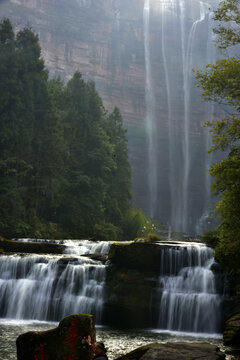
(90, 156)
(64, 161)
(11, 189)
(118, 197)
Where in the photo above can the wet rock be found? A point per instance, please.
(231, 334)
(131, 277)
(12, 246)
(67, 260)
(173, 351)
(61, 343)
(97, 257)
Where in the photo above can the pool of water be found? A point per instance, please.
(118, 342)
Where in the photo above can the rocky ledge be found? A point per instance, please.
(13, 246)
(172, 351)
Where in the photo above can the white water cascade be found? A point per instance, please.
(188, 298)
(186, 42)
(202, 223)
(150, 116)
(44, 287)
(79, 247)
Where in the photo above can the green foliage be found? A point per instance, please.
(63, 159)
(106, 231)
(211, 237)
(220, 83)
(228, 30)
(137, 224)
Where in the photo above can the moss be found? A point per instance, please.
(153, 237)
(84, 315)
(122, 243)
(231, 334)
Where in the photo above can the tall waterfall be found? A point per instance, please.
(188, 298)
(52, 287)
(150, 116)
(185, 42)
(201, 224)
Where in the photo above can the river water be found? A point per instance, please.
(118, 342)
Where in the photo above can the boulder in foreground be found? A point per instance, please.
(61, 343)
(173, 351)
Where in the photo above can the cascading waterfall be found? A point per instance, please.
(116, 48)
(188, 298)
(79, 247)
(209, 110)
(182, 23)
(150, 116)
(187, 62)
(52, 287)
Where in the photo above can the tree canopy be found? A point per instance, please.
(221, 83)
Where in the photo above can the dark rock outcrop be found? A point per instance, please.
(61, 343)
(131, 279)
(231, 334)
(136, 255)
(12, 246)
(172, 351)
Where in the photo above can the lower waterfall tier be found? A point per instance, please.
(163, 285)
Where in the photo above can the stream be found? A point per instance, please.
(118, 342)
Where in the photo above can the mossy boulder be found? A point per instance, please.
(172, 351)
(61, 343)
(13, 246)
(137, 255)
(231, 334)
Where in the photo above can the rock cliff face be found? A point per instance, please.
(140, 63)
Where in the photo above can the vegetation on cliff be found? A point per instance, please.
(220, 83)
(63, 159)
